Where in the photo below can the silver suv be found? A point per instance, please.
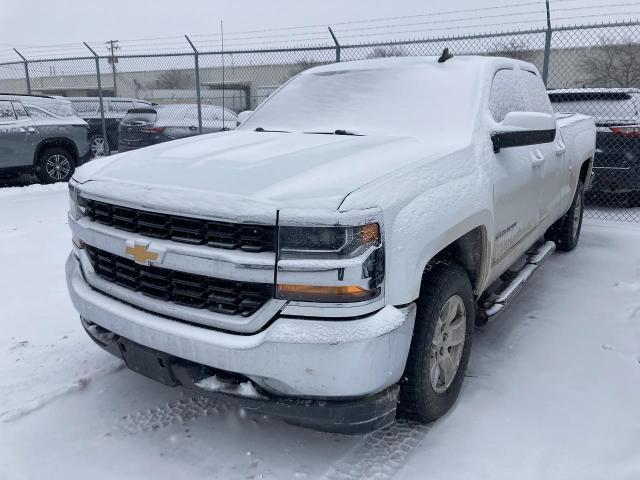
(41, 135)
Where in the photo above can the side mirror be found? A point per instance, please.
(242, 116)
(519, 129)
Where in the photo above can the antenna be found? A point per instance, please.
(445, 56)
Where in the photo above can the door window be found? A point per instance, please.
(6, 111)
(21, 113)
(517, 91)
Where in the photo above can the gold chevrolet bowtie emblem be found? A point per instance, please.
(141, 254)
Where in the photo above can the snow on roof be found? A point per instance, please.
(472, 62)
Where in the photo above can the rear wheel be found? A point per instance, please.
(97, 145)
(441, 343)
(566, 231)
(55, 164)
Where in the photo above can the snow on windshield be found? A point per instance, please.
(409, 101)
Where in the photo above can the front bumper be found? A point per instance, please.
(308, 358)
(352, 417)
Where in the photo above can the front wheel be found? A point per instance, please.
(566, 231)
(441, 343)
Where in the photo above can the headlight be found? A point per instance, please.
(334, 264)
(76, 203)
(327, 242)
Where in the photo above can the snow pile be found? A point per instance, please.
(32, 189)
(242, 389)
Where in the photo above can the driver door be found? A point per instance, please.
(516, 180)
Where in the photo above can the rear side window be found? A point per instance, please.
(38, 113)
(517, 91)
(140, 116)
(6, 111)
(21, 113)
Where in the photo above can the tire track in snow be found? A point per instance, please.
(381, 454)
(172, 413)
(46, 398)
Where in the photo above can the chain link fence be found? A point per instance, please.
(591, 69)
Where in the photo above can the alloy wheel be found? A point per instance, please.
(58, 167)
(97, 147)
(447, 344)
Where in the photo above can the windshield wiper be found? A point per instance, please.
(260, 129)
(338, 132)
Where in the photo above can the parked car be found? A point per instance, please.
(617, 161)
(142, 127)
(41, 135)
(115, 108)
(334, 253)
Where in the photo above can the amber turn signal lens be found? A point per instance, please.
(313, 293)
(78, 243)
(370, 233)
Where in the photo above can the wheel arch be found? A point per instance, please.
(586, 172)
(61, 142)
(468, 251)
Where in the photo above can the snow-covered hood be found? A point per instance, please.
(270, 169)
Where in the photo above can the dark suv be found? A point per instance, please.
(41, 135)
(115, 109)
(617, 162)
(142, 127)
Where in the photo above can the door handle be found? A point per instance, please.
(193, 127)
(27, 131)
(538, 158)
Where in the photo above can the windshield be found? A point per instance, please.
(394, 101)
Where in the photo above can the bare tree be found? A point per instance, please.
(513, 48)
(612, 64)
(383, 52)
(173, 79)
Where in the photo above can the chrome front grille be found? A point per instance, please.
(196, 231)
(198, 291)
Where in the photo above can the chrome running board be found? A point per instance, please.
(499, 300)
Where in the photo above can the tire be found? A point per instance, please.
(443, 285)
(97, 146)
(55, 164)
(566, 231)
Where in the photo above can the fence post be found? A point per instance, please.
(335, 40)
(196, 57)
(26, 71)
(547, 47)
(104, 125)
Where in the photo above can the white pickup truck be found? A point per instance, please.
(328, 261)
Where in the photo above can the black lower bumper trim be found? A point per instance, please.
(350, 416)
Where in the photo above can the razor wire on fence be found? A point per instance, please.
(590, 69)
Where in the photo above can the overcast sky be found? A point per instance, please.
(51, 22)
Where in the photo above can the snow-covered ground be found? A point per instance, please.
(553, 387)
